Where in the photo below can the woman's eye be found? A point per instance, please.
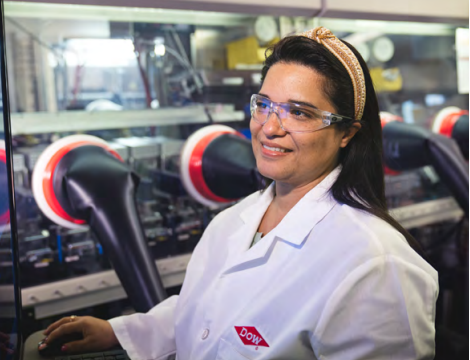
(300, 113)
(262, 105)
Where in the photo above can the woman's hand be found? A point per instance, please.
(97, 334)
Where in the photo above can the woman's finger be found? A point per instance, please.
(64, 329)
(76, 346)
(58, 323)
(53, 326)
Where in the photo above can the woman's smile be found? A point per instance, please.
(271, 149)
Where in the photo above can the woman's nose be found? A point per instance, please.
(272, 126)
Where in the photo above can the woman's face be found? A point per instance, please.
(307, 157)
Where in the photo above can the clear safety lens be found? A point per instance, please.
(292, 117)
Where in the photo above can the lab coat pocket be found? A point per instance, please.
(226, 351)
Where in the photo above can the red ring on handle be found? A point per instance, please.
(449, 121)
(47, 181)
(384, 120)
(195, 167)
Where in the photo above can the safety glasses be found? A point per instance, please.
(293, 118)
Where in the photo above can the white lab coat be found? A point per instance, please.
(329, 282)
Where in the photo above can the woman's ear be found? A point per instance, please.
(349, 134)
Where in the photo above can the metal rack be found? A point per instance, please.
(67, 295)
(71, 121)
(427, 213)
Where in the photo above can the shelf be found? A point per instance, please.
(70, 121)
(54, 11)
(80, 292)
(427, 213)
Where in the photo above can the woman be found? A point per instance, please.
(311, 268)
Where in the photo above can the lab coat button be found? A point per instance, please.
(205, 334)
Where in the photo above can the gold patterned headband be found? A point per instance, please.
(344, 54)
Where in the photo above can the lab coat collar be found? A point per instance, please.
(293, 229)
(309, 211)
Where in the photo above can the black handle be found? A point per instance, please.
(91, 184)
(404, 146)
(229, 167)
(408, 147)
(460, 134)
(451, 167)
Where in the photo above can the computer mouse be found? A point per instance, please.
(54, 348)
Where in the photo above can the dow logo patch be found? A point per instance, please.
(250, 336)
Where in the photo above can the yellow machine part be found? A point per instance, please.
(245, 52)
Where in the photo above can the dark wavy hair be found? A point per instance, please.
(361, 181)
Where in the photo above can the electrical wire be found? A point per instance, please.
(184, 59)
(145, 80)
(322, 11)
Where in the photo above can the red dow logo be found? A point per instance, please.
(250, 336)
